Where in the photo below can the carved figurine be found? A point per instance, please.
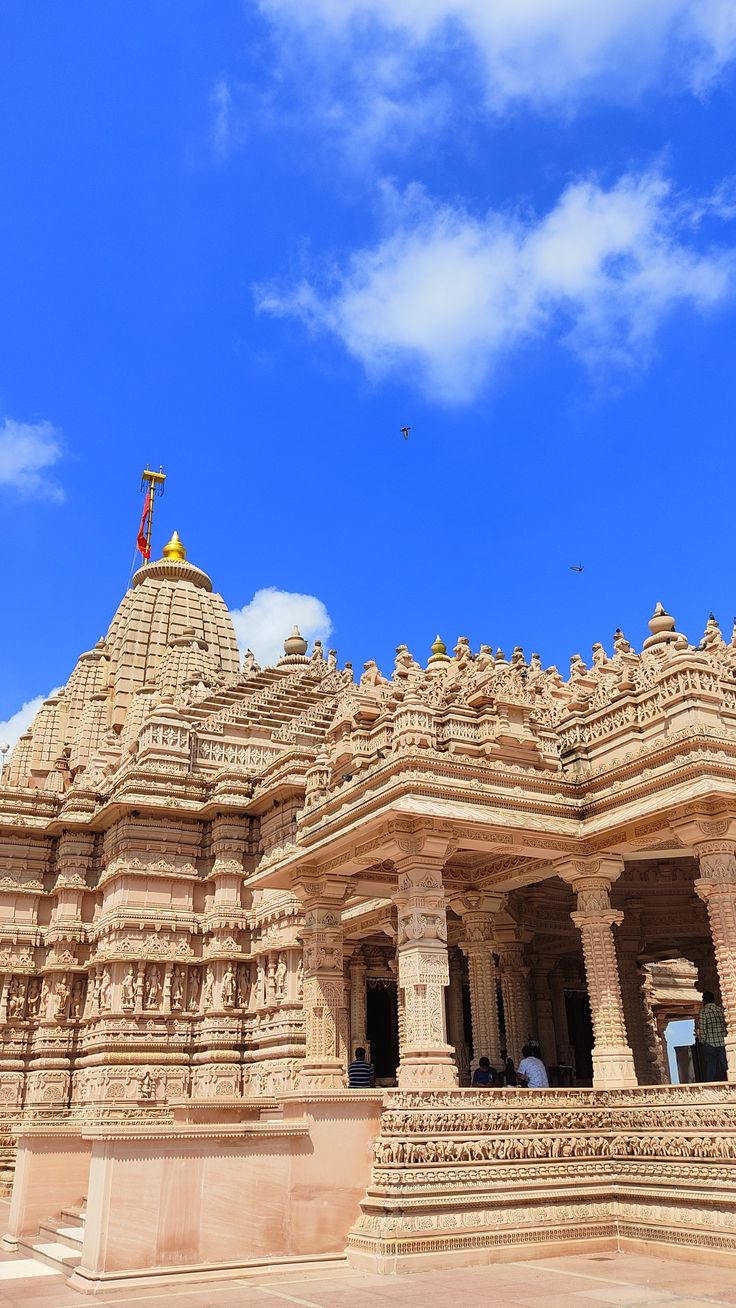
(16, 999)
(227, 990)
(148, 1087)
(242, 987)
(208, 993)
(260, 985)
(271, 982)
(78, 997)
(34, 997)
(177, 990)
(300, 978)
(153, 988)
(127, 991)
(105, 991)
(281, 972)
(195, 983)
(62, 996)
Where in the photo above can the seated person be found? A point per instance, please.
(483, 1074)
(531, 1071)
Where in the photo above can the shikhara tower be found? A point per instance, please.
(217, 879)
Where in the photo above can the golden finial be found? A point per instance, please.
(439, 651)
(174, 549)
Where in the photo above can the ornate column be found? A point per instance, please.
(591, 879)
(716, 886)
(456, 1016)
(357, 972)
(541, 969)
(476, 911)
(632, 994)
(324, 983)
(515, 993)
(565, 1051)
(427, 1060)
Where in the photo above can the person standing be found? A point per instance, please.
(361, 1075)
(711, 1035)
(531, 1071)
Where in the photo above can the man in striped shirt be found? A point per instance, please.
(712, 1038)
(360, 1072)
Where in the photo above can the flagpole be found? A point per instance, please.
(153, 482)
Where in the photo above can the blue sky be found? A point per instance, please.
(252, 241)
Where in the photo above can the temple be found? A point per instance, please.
(219, 879)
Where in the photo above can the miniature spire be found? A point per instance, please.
(174, 550)
(712, 636)
(439, 652)
(662, 626)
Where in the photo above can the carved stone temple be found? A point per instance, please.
(218, 879)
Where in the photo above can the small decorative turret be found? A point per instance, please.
(662, 626)
(174, 550)
(295, 649)
(439, 655)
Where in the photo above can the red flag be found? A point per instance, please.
(143, 545)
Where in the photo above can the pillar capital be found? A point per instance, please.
(701, 827)
(326, 890)
(591, 872)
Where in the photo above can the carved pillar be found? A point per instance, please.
(477, 944)
(716, 886)
(357, 971)
(426, 1057)
(515, 992)
(543, 1005)
(324, 984)
(591, 879)
(565, 1052)
(456, 1016)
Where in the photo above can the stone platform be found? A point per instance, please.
(471, 1176)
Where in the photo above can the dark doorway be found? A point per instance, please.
(580, 1030)
(382, 1026)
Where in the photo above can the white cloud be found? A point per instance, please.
(14, 727)
(27, 451)
(548, 52)
(221, 130)
(264, 623)
(446, 294)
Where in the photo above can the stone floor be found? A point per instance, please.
(614, 1280)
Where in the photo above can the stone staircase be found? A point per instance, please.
(59, 1240)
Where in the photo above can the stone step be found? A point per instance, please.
(52, 1253)
(69, 1234)
(74, 1214)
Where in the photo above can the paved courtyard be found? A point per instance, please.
(585, 1281)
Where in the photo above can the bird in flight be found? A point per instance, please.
(405, 432)
(576, 567)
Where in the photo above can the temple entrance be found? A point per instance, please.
(382, 1027)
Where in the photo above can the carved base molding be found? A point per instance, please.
(419, 1070)
(470, 1176)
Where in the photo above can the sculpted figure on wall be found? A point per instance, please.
(16, 1000)
(34, 997)
(61, 997)
(195, 984)
(177, 990)
(208, 991)
(127, 990)
(228, 987)
(153, 987)
(281, 971)
(105, 991)
(78, 997)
